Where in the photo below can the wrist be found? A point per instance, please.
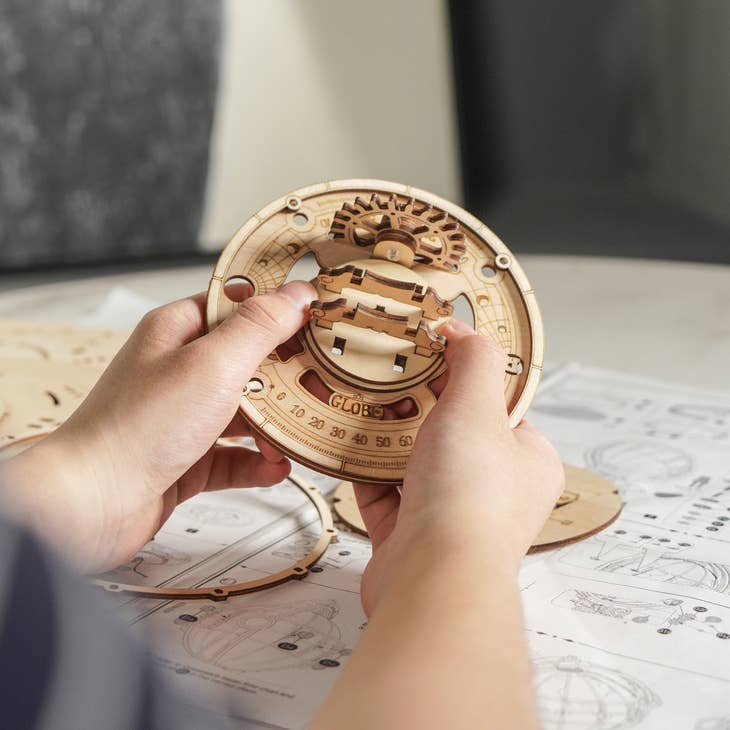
(448, 533)
(436, 563)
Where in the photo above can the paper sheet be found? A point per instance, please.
(631, 628)
(628, 629)
(266, 659)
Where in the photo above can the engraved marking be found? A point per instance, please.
(356, 407)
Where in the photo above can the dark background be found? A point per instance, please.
(106, 109)
(586, 127)
(582, 123)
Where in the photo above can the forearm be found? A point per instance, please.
(446, 649)
(38, 490)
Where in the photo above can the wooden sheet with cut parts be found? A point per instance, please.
(58, 343)
(45, 372)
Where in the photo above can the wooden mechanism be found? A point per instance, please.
(328, 535)
(327, 314)
(430, 303)
(348, 394)
(589, 504)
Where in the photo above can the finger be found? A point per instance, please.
(177, 323)
(269, 452)
(476, 370)
(237, 428)
(379, 509)
(260, 323)
(236, 467)
(438, 384)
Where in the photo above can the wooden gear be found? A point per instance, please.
(588, 504)
(328, 535)
(348, 395)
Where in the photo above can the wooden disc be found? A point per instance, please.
(347, 395)
(588, 504)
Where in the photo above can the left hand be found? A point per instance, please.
(145, 438)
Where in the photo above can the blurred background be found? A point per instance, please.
(135, 134)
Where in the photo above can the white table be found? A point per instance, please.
(669, 320)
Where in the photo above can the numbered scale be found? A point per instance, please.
(348, 394)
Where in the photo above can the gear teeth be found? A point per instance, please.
(421, 221)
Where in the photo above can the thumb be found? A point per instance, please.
(476, 366)
(260, 323)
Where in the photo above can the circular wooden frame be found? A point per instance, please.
(264, 250)
(298, 570)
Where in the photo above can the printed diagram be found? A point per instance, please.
(575, 694)
(242, 637)
(663, 615)
(646, 561)
(213, 515)
(632, 463)
(597, 398)
(672, 428)
(345, 554)
(701, 504)
(708, 419)
(576, 401)
(713, 723)
(569, 411)
(151, 558)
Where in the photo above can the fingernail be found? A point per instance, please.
(458, 327)
(300, 293)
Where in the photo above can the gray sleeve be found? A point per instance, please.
(66, 662)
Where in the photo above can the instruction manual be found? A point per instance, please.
(629, 628)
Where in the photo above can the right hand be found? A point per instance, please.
(475, 489)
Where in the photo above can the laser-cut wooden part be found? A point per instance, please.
(346, 508)
(60, 343)
(46, 370)
(431, 304)
(588, 504)
(37, 397)
(433, 236)
(327, 314)
(374, 337)
(328, 535)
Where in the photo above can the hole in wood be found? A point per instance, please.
(238, 288)
(288, 349)
(399, 365)
(312, 383)
(305, 268)
(488, 272)
(255, 385)
(463, 310)
(300, 219)
(401, 409)
(338, 346)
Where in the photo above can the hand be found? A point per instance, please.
(145, 438)
(475, 489)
